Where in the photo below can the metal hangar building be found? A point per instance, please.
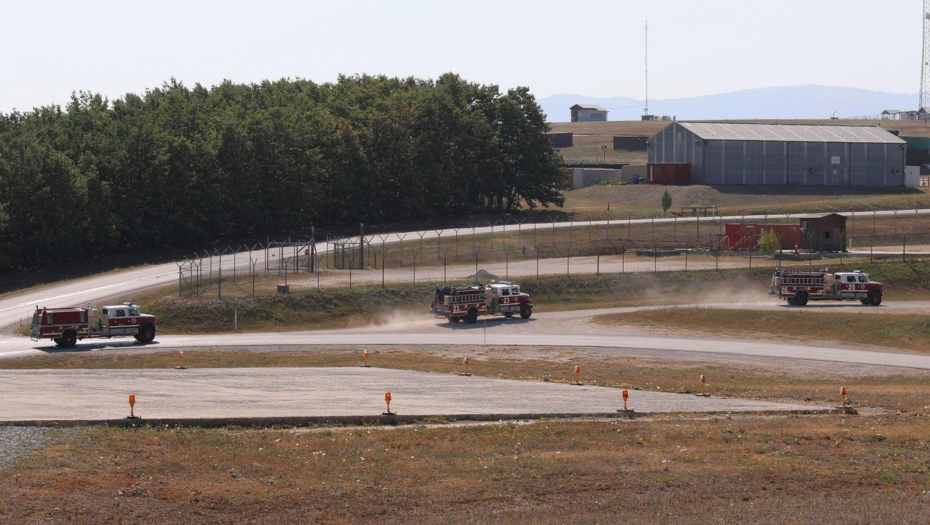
(782, 154)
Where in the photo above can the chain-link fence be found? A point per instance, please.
(505, 248)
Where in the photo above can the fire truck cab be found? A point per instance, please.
(124, 319)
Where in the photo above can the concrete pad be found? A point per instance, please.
(302, 392)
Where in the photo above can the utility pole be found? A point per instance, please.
(646, 109)
(924, 100)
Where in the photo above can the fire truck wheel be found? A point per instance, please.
(147, 334)
(875, 298)
(454, 319)
(864, 301)
(508, 315)
(791, 301)
(526, 311)
(68, 339)
(472, 316)
(801, 298)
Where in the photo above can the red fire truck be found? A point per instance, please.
(799, 287)
(66, 326)
(467, 302)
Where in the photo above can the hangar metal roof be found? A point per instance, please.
(791, 132)
(588, 106)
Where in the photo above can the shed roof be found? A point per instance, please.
(791, 132)
(822, 216)
(587, 106)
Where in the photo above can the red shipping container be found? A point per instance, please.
(677, 174)
(740, 236)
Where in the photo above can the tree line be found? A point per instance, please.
(181, 166)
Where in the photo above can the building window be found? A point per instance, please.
(826, 236)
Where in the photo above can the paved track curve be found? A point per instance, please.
(544, 330)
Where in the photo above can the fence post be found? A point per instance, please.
(568, 260)
(507, 262)
(252, 264)
(553, 231)
(420, 251)
(438, 242)
(904, 249)
(180, 279)
(537, 261)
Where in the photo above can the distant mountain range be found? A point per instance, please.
(794, 102)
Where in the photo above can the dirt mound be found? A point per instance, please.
(483, 276)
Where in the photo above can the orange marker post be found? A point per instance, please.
(365, 354)
(465, 371)
(387, 399)
(626, 396)
(577, 374)
(843, 395)
(132, 404)
(181, 361)
(703, 387)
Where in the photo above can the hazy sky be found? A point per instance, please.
(593, 48)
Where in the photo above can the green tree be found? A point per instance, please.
(666, 202)
(769, 242)
(176, 167)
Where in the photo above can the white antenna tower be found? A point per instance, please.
(646, 109)
(925, 64)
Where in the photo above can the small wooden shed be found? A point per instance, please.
(824, 232)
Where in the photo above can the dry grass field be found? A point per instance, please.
(873, 467)
(644, 200)
(874, 331)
